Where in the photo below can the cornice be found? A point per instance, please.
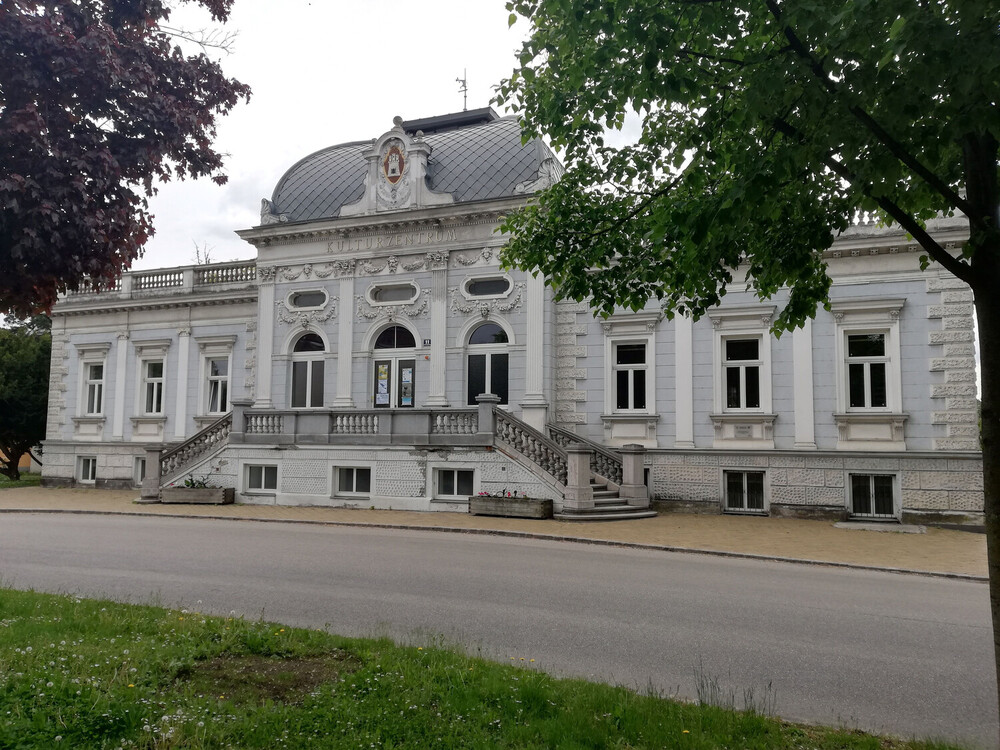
(112, 305)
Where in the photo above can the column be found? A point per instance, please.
(265, 336)
(802, 367)
(183, 376)
(534, 407)
(579, 495)
(439, 336)
(684, 379)
(345, 344)
(121, 369)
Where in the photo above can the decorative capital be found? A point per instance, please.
(266, 274)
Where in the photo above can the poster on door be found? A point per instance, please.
(382, 384)
(406, 389)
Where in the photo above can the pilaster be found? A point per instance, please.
(345, 347)
(534, 407)
(121, 371)
(265, 336)
(439, 335)
(802, 366)
(183, 354)
(684, 379)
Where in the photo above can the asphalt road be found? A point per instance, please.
(902, 654)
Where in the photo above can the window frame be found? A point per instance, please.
(436, 471)
(893, 476)
(373, 289)
(214, 347)
(82, 461)
(742, 366)
(469, 280)
(154, 386)
(742, 323)
(745, 472)
(247, 467)
(611, 370)
(489, 351)
(855, 317)
(97, 385)
(138, 470)
(338, 491)
(310, 359)
(92, 354)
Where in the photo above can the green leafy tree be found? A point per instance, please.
(24, 390)
(765, 125)
(98, 104)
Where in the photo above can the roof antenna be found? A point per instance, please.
(464, 89)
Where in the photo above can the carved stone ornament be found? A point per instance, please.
(485, 307)
(393, 189)
(291, 273)
(269, 213)
(391, 312)
(305, 318)
(344, 267)
(549, 172)
(266, 274)
(485, 255)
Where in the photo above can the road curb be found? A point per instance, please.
(523, 535)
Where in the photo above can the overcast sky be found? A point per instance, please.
(324, 73)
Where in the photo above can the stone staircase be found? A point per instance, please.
(608, 506)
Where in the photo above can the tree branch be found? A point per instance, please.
(956, 266)
(896, 148)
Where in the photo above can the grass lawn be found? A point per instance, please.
(78, 673)
(26, 480)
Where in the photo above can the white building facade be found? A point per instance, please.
(346, 364)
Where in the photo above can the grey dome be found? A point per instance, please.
(477, 162)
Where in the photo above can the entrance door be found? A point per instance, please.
(394, 383)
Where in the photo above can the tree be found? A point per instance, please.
(24, 390)
(765, 126)
(97, 105)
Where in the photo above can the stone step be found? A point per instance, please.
(608, 513)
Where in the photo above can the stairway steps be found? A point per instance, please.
(608, 513)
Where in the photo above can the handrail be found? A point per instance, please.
(215, 435)
(605, 462)
(532, 444)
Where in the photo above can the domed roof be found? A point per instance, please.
(472, 162)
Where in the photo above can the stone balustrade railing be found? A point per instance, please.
(184, 279)
(263, 424)
(456, 423)
(606, 463)
(216, 435)
(355, 423)
(531, 444)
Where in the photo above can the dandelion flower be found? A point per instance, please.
(131, 684)
(685, 731)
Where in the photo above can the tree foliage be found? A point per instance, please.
(24, 390)
(97, 105)
(765, 126)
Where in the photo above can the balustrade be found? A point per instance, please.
(214, 436)
(264, 424)
(455, 423)
(607, 463)
(533, 445)
(355, 423)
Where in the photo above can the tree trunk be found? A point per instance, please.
(9, 467)
(988, 313)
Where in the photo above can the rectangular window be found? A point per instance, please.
(630, 376)
(307, 383)
(744, 491)
(94, 388)
(866, 371)
(218, 386)
(354, 480)
(152, 386)
(455, 482)
(260, 478)
(488, 374)
(742, 368)
(872, 496)
(86, 469)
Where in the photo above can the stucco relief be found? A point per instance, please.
(486, 306)
(393, 187)
(306, 317)
(390, 312)
(485, 255)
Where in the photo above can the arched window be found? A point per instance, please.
(487, 362)
(307, 371)
(394, 376)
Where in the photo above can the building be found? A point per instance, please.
(345, 365)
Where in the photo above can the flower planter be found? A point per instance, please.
(513, 507)
(198, 495)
